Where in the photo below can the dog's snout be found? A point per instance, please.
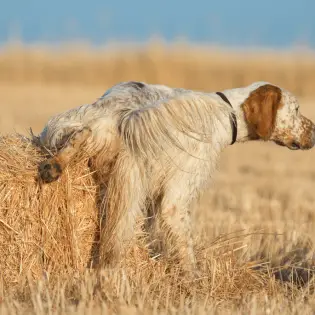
(306, 138)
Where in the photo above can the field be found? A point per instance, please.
(254, 227)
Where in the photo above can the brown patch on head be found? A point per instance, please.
(260, 110)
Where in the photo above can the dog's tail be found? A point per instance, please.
(172, 123)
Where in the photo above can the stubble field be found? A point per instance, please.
(254, 227)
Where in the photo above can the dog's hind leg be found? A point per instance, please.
(51, 169)
(122, 206)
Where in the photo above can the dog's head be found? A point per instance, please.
(273, 114)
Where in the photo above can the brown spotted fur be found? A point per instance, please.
(260, 110)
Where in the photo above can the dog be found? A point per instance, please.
(156, 148)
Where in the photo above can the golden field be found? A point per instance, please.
(254, 228)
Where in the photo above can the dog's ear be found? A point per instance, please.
(260, 110)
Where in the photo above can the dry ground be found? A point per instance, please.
(260, 190)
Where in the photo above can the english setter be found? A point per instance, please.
(155, 148)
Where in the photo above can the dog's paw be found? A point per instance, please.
(49, 170)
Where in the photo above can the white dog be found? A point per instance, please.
(155, 149)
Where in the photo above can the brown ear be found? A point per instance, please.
(260, 110)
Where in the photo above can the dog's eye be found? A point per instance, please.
(297, 110)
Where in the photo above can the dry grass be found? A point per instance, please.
(254, 228)
(176, 65)
(47, 229)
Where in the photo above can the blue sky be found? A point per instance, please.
(276, 24)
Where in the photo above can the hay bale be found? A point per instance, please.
(47, 229)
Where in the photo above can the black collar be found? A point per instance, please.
(232, 118)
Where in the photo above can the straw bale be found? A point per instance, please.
(44, 229)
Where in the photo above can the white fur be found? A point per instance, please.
(155, 149)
